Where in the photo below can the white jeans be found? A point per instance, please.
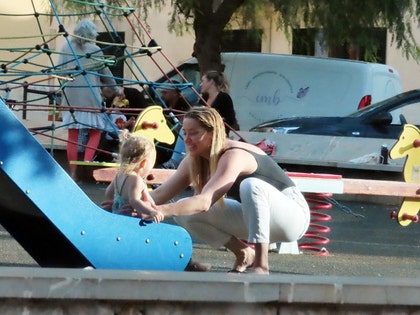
(265, 215)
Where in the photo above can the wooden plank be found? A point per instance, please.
(354, 186)
(156, 176)
(317, 182)
(313, 183)
(94, 163)
(381, 188)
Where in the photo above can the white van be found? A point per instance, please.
(270, 86)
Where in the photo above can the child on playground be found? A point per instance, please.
(137, 156)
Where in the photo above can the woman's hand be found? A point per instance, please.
(127, 209)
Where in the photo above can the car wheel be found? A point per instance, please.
(403, 120)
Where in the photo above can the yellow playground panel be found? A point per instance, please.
(151, 124)
(408, 145)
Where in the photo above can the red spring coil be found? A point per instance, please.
(316, 242)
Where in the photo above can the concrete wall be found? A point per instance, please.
(409, 69)
(67, 291)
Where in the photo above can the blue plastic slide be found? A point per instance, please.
(59, 226)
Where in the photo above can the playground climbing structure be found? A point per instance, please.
(40, 205)
(33, 84)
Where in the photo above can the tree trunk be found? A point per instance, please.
(210, 19)
(207, 47)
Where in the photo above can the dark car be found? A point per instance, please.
(384, 119)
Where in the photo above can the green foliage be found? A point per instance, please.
(182, 16)
(341, 21)
(349, 20)
(116, 8)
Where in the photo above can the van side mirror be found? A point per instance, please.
(383, 119)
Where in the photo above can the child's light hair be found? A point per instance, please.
(133, 150)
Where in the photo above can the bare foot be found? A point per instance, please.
(245, 260)
(260, 271)
(196, 266)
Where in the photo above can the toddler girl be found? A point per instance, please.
(137, 157)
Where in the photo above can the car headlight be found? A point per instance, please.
(283, 130)
(262, 129)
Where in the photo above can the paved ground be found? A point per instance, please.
(365, 243)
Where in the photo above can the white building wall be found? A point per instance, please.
(409, 69)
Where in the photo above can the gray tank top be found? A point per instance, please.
(267, 170)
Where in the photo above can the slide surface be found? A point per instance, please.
(59, 226)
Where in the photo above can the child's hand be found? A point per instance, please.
(120, 123)
(127, 209)
(107, 205)
(131, 123)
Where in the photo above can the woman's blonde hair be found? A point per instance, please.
(202, 169)
(133, 149)
(219, 79)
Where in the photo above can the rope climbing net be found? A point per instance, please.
(32, 80)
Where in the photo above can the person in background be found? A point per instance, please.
(117, 100)
(215, 90)
(86, 100)
(263, 205)
(124, 97)
(117, 121)
(174, 100)
(137, 157)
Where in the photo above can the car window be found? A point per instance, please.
(373, 107)
(411, 113)
(192, 74)
(365, 110)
